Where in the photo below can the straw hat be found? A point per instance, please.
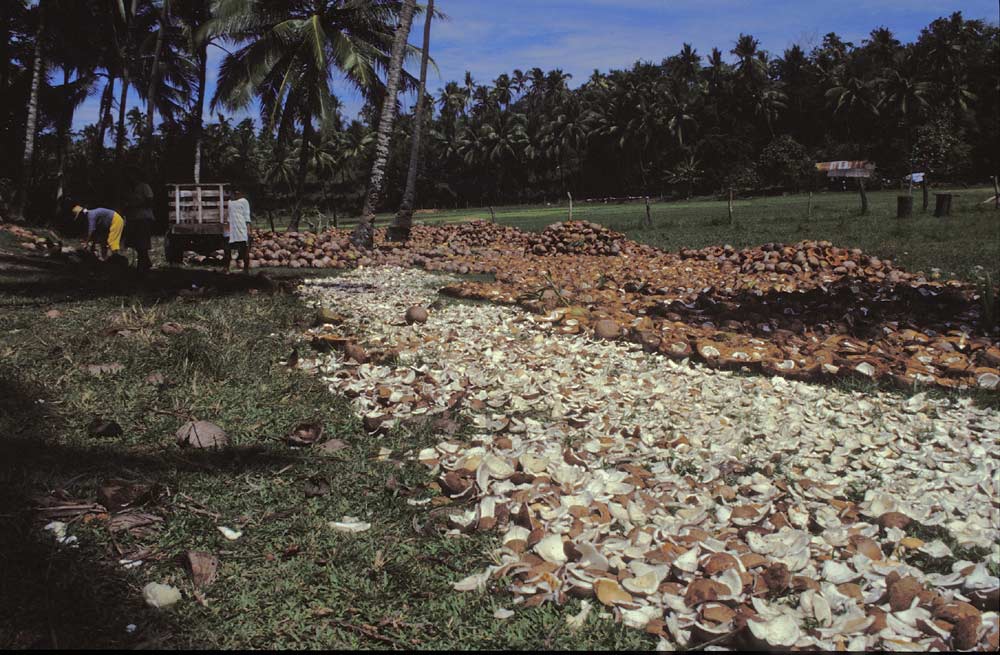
(77, 209)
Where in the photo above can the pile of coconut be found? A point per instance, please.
(330, 249)
(801, 258)
(578, 238)
(32, 241)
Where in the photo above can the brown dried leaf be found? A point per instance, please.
(203, 567)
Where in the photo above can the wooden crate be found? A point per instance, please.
(198, 205)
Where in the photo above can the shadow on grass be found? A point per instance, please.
(41, 281)
(56, 596)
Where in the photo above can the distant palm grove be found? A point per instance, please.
(694, 123)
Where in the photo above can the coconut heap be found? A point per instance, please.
(807, 311)
(804, 257)
(331, 249)
(577, 238)
(31, 241)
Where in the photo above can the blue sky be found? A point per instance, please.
(489, 37)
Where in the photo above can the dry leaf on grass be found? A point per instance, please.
(137, 523)
(203, 567)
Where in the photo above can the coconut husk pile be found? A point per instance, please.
(31, 241)
(806, 311)
(579, 238)
(331, 249)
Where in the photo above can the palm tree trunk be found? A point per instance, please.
(64, 125)
(154, 84)
(32, 123)
(364, 233)
(120, 136)
(400, 231)
(307, 133)
(107, 98)
(197, 126)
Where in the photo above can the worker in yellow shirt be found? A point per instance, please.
(101, 221)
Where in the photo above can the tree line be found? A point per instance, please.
(738, 117)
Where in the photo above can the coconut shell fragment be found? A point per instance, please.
(201, 434)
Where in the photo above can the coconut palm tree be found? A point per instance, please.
(73, 52)
(194, 16)
(364, 233)
(37, 72)
(400, 230)
(169, 77)
(903, 94)
(287, 54)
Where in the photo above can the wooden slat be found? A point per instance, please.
(194, 205)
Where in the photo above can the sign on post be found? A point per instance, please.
(847, 168)
(859, 169)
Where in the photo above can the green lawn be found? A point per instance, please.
(290, 581)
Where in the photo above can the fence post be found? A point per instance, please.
(570, 196)
(730, 205)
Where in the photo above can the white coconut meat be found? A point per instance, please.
(665, 462)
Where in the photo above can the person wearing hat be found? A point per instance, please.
(101, 221)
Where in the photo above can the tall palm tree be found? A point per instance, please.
(364, 233)
(124, 38)
(749, 66)
(154, 75)
(168, 78)
(400, 230)
(287, 55)
(31, 125)
(688, 63)
(72, 51)
(452, 100)
(195, 16)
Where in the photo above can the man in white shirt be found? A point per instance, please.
(239, 230)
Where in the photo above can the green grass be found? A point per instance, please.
(290, 581)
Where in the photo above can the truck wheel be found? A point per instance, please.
(172, 250)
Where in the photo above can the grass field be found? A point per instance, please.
(290, 581)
